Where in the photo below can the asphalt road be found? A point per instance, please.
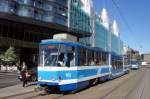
(8, 79)
(135, 85)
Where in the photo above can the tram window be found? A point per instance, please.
(48, 55)
(67, 56)
(89, 55)
(97, 58)
(61, 60)
(126, 62)
(62, 56)
(82, 56)
(114, 63)
(71, 60)
(106, 61)
(104, 58)
(100, 58)
(41, 60)
(90, 58)
(70, 56)
(93, 59)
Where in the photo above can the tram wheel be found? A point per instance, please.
(93, 81)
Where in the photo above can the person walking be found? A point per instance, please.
(24, 74)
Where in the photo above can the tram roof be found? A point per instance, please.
(75, 44)
(115, 56)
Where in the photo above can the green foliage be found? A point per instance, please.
(2, 59)
(9, 57)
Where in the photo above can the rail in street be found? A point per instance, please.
(135, 85)
(8, 79)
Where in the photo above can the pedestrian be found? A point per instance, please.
(24, 74)
(19, 71)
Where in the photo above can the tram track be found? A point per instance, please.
(120, 85)
(140, 86)
(103, 97)
(41, 94)
(3, 76)
(33, 95)
(6, 77)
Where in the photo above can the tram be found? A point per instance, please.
(126, 64)
(69, 66)
(117, 67)
(135, 64)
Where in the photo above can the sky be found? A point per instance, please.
(134, 21)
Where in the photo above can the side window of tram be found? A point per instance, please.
(104, 59)
(98, 59)
(82, 56)
(67, 56)
(71, 56)
(120, 63)
(113, 63)
(91, 61)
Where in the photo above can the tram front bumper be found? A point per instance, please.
(44, 83)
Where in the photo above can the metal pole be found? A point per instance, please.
(69, 11)
(123, 61)
(109, 46)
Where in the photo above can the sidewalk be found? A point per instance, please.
(16, 90)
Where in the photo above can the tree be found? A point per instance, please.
(1, 58)
(9, 57)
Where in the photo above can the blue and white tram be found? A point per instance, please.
(117, 69)
(135, 64)
(126, 65)
(70, 66)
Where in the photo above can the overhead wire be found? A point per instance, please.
(126, 23)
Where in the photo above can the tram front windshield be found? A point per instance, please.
(134, 62)
(56, 55)
(49, 55)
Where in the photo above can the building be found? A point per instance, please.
(80, 19)
(105, 37)
(101, 31)
(24, 23)
(146, 58)
(135, 55)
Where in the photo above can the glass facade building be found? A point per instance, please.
(105, 39)
(79, 19)
(35, 20)
(8, 6)
(54, 11)
(115, 44)
(101, 35)
(75, 15)
(121, 47)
